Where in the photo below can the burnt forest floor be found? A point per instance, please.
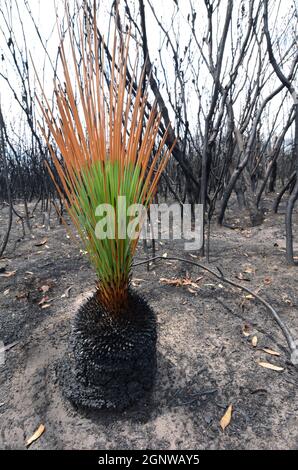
(206, 360)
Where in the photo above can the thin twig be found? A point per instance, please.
(292, 343)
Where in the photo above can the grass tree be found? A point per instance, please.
(109, 156)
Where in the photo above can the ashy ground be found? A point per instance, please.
(206, 360)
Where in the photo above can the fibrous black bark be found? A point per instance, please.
(112, 358)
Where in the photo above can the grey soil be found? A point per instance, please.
(205, 362)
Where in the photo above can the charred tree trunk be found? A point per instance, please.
(282, 192)
(8, 191)
(288, 84)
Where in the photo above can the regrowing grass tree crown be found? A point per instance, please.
(106, 137)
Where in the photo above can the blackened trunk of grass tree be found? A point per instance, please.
(111, 361)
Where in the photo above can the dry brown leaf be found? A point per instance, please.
(8, 274)
(267, 281)
(286, 299)
(45, 306)
(254, 341)
(246, 330)
(271, 352)
(66, 293)
(249, 296)
(44, 289)
(267, 365)
(226, 419)
(248, 270)
(179, 282)
(191, 290)
(243, 276)
(36, 435)
(42, 242)
(170, 282)
(43, 300)
(22, 295)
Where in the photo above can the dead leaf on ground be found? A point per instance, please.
(44, 288)
(254, 341)
(46, 306)
(226, 419)
(242, 277)
(192, 291)
(43, 300)
(267, 281)
(8, 274)
(287, 300)
(248, 270)
(271, 352)
(246, 330)
(268, 365)
(36, 435)
(180, 282)
(249, 296)
(22, 295)
(66, 293)
(42, 242)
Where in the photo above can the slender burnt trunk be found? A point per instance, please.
(282, 192)
(292, 199)
(8, 191)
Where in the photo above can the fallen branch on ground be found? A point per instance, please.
(292, 343)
